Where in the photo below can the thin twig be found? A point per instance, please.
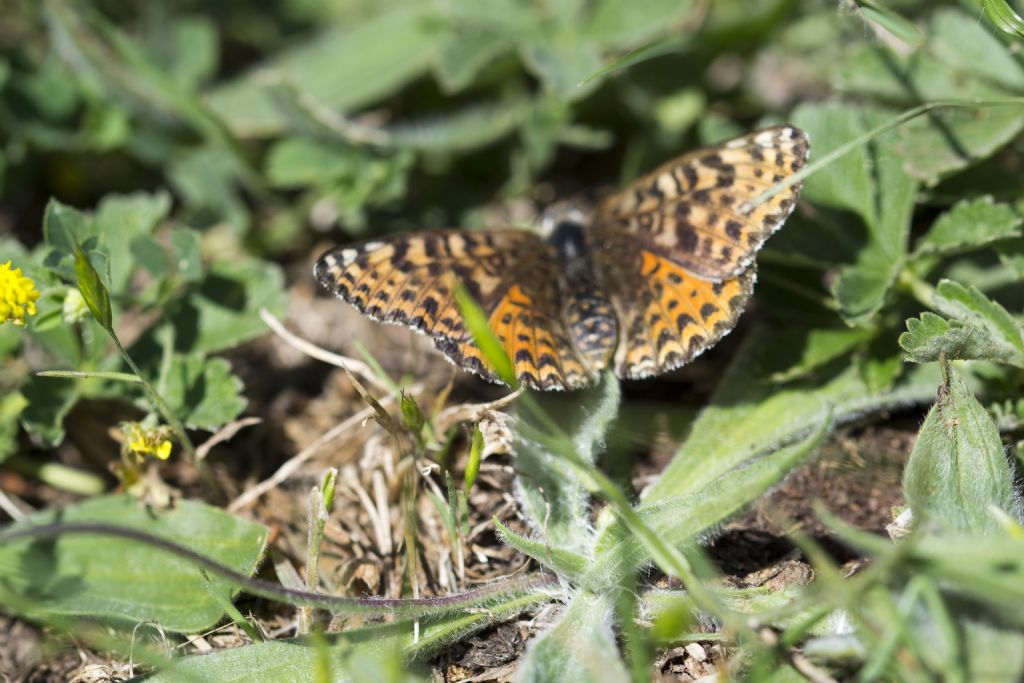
(292, 465)
(225, 433)
(353, 365)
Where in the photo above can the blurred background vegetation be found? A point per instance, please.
(204, 151)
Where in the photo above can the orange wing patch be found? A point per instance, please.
(535, 338)
(679, 316)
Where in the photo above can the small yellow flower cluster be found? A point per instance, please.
(142, 441)
(18, 295)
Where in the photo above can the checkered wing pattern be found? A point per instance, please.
(676, 248)
(698, 212)
(513, 274)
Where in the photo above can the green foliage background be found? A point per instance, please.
(195, 147)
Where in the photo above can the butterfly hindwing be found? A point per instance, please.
(410, 280)
(697, 210)
(667, 316)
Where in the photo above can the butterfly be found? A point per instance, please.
(659, 274)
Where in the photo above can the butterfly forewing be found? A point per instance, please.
(698, 210)
(410, 280)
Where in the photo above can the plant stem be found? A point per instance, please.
(158, 400)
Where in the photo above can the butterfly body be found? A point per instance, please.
(659, 274)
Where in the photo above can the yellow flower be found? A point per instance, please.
(144, 441)
(18, 295)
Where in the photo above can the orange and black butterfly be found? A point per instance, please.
(661, 272)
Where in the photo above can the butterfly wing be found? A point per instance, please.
(697, 210)
(667, 316)
(675, 249)
(514, 275)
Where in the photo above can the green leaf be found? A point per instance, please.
(665, 46)
(367, 654)
(484, 337)
(617, 25)
(968, 225)
(1004, 16)
(679, 520)
(93, 291)
(465, 54)
(870, 183)
(563, 64)
(565, 563)
(581, 646)
(820, 347)
(120, 220)
(978, 329)
(892, 22)
(203, 392)
(1011, 253)
(958, 469)
(846, 183)
(750, 414)
(295, 162)
(63, 227)
(187, 254)
(125, 581)
(961, 59)
(476, 448)
(553, 496)
(931, 336)
(49, 401)
(222, 311)
(11, 405)
(345, 67)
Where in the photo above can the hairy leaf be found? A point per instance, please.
(958, 471)
(126, 581)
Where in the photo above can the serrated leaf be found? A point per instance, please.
(1011, 253)
(125, 581)
(203, 392)
(978, 329)
(931, 336)
(958, 470)
(970, 224)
